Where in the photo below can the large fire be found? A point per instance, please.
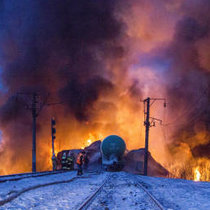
(98, 59)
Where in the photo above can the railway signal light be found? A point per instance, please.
(53, 132)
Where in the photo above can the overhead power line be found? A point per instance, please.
(148, 102)
(35, 105)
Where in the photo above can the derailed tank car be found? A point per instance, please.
(112, 150)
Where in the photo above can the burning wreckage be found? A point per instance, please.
(97, 59)
(111, 154)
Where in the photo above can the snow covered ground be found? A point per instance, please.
(178, 193)
(60, 196)
(10, 187)
(120, 192)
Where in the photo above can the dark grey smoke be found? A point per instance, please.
(79, 96)
(189, 30)
(201, 150)
(54, 45)
(189, 83)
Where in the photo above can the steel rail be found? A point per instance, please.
(17, 194)
(16, 177)
(155, 201)
(25, 174)
(91, 198)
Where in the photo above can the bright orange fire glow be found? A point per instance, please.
(91, 138)
(135, 75)
(197, 174)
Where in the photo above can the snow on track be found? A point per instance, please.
(9, 188)
(89, 200)
(122, 192)
(178, 194)
(156, 202)
(15, 177)
(61, 196)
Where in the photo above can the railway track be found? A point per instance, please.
(27, 189)
(113, 190)
(154, 200)
(16, 177)
(90, 199)
(87, 203)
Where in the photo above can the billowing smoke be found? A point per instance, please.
(190, 86)
(51, 45)
(190, 90)
(55, 47)
(98, 58)
(170, 46)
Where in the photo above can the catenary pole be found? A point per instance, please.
(147, 125)
(35, 106)
(147, 104)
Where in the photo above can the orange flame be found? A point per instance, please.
(197, 174)
(91, 138)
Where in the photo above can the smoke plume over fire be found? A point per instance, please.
(97, 59)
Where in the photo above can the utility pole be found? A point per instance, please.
(148, 124)
(34, 104)
(34, 116)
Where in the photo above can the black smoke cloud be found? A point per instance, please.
(190, 79)
(201, 150)
(56, 47)
(61, 46)
(82, 95)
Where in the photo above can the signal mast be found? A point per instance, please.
(53, 132)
